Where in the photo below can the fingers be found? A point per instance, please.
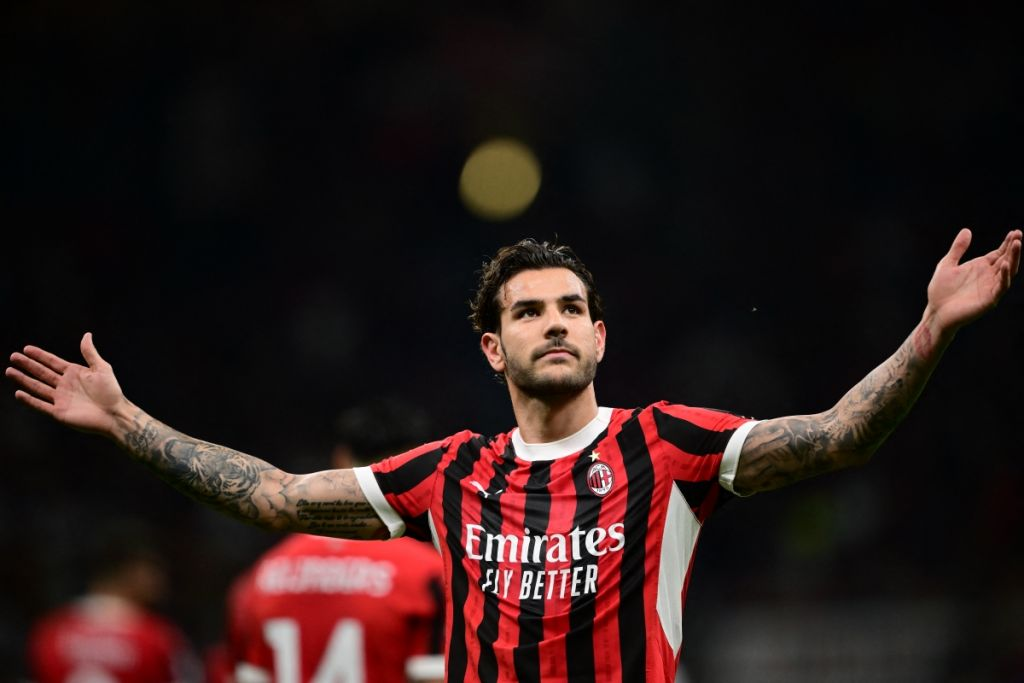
(959, 246)
(37, 388)
(89, 352)
(54, 363)
(33, 402)
(1008, 253)
(34, 369)
(1015, 247)
(993, 256)
(1006, 247)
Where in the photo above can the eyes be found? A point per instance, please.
(571, 309)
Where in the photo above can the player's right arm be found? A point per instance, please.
(89, 398)
(784, 450)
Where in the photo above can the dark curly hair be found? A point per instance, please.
(527, 254)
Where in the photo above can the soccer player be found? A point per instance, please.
(111, 634)
(568, 540)
(315, 608)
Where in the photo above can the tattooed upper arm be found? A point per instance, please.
(784, 450)
(331, 503)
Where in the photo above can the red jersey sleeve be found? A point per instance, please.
(400, 488)
(694, 443)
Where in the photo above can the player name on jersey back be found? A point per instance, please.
(351, 575)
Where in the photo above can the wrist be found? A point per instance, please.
(123, 418)
(932, 335)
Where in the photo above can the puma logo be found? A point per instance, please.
(486, 494)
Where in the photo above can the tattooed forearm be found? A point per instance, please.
(781, 451)
(329, 503)
(213, 474)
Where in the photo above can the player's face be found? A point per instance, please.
(547, 345)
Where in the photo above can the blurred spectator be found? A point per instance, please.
(111, 634)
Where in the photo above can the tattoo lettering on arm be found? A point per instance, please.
(785, 450)
(329, 503)
(343, 518)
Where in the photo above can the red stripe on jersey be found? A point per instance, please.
(556, 608)
(607, 658)
(508, 574)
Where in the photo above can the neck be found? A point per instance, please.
(129, 595)
(550, 418)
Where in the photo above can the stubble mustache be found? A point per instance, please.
(556, 344)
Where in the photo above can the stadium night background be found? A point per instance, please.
(267, 214)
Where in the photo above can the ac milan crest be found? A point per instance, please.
(600, 478)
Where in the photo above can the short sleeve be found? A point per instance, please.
(400, 488)
(694, 443)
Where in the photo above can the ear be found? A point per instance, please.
(600, 334)
(490, 344)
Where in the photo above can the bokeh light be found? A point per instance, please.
(500, 179)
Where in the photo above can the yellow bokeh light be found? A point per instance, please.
(499, 179)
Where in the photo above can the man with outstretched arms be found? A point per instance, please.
(567, 541)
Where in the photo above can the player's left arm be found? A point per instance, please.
(784, 450)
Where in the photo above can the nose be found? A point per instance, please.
(554, 326)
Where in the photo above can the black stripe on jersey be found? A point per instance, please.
(579, 642)
(411, 474)
(436, 589)
(694, 492)
(490, 520)
(458, 469)
(531, 612)
(418, 527)
(689, 437)
(640, 476)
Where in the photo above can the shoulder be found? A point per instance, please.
(706, 418)
(445, 446)
(475, 443)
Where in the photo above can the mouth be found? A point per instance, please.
(562, 352)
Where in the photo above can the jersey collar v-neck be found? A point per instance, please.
(573, 443)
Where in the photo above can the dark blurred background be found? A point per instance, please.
(255, 209)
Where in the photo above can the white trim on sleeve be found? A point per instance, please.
(371, 489)
(731, 457)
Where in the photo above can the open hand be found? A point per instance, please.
(960, 292)
(83, 397)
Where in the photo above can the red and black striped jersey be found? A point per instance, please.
(568, 561)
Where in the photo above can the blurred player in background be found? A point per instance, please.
(321, 609)
(111, 634)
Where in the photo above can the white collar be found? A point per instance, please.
(563, 447)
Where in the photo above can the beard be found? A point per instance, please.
(525, 376)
